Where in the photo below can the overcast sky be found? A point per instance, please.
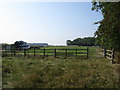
(46, 22)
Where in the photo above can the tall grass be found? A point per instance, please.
(21, 72)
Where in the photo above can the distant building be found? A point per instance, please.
(38, 44)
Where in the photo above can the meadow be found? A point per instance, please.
(50, 72)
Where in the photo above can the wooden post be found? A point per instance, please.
(104, 52)
(76, 53)
(55, 53)
(44, 52)
(34, 51)
(24, 52)
(11, 52)
(28, 52)
(87, 52)
(65, 53)
(1, 53)
(6, 52)
(14, 52)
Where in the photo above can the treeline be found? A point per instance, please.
(87, 41)
(4, 45)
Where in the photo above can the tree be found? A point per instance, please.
(4, 45)
(69, 42)
(21, 45)
(108, 33)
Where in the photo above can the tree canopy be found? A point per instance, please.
(87, 41)
(108, 33)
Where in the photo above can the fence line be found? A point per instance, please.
(108, 54)
(47, 52)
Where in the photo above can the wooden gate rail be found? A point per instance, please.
(47, 52)
(108, 54)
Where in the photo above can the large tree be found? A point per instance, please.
(108, 32)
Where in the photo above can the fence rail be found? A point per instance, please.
(47, 52)
(108, 54)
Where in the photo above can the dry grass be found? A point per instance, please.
(19, 72)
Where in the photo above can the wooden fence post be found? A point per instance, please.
(65, 53)
(6, 52)
(76, 53)
(34, 52)
(11, 52)
(87, 52)
(104, 52)
(28, 52)
(14, 52)
(55, 53)
(24, 52)
(44, 52)
(112, 58)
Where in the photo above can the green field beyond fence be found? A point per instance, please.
(50, 51)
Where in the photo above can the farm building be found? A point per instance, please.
(38, 44)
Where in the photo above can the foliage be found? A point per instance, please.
(108, 33)
(87, 41)
(4, 45)
(21, 45)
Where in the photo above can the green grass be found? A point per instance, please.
(50, 72)
(64, 47)
(58, 73)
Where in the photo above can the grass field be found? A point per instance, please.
(34, 72)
